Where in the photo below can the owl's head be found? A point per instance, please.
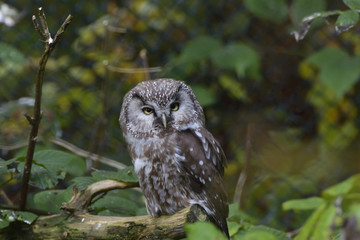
(158, 107)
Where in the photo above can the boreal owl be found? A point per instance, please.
(178, 162)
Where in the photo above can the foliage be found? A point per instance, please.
(346, 19)
(244, 66)
(51, 167)
(8, 216)
(337, 205)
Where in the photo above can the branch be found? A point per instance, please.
(81, 200)
(240, 186)
(143, 56)
(74, 149)
(35, 120)
(86, 226)
(80, 152)
(133, 70)
(76, 223)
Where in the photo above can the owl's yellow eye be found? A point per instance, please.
(174, 106)
(147, 110)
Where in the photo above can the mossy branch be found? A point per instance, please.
(86, 226)
(76, 223)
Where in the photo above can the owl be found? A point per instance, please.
(177, 161)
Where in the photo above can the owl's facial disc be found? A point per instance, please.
(158, 107)
(161, 116)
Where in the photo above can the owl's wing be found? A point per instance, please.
(202, 161)
(201, 142)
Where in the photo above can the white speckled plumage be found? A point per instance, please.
(179, 162)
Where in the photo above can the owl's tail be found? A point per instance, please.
(221, 224)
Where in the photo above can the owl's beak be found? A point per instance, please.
(163, 118)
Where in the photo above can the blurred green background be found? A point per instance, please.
(296, 102)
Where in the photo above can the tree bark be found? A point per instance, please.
(76, 223)
(86, 226)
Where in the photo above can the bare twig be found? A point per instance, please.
(143, 56)
(83, 153)
(6, 199)
(13, 147)
(133, 70)
(116, 29)
(37, 27)
(35, 120)
(240, 186)
(45, 29)
(62, 28)
(30, 119)
(74, 149)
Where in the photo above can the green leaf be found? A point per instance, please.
(51, 200)
(204, 95)
(4, 223)
(4, 164)
(235, 214)
(234, 87)
(262, 232)
(42, 177)
(114, 206)
(141, 211)
(337, 70)
(347, 19)
(83, 182)
(273, 10)
(203, 231)
(238, 57)
(341, 76)
(323, 226)
(11, 59)
(306, 22)
(257, 235)
(125, 175)
(45, 179)
(26, 217)
(7, 216)
(351, 204)
(9, 53)
(233, 227)
(310, 224)
(55, 160)
(327, 56)
(303, 204)
(353, 4)
(343, 188)
(103, 175)
(198, 49)
(303, 8)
